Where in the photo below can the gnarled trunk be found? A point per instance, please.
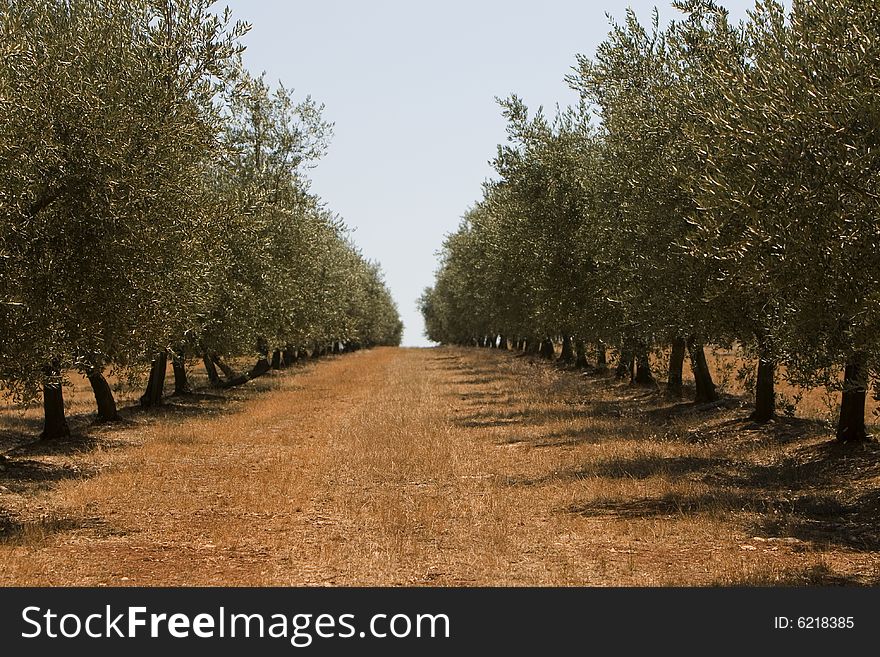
(675, 377)
(260, 368)
(643, 376)
(502, 343)
(54, 421)
(181, 384)
(228, 372)
(211, 369)
(547, 350)
(567, 354)
(851, 423)
(156, 383)
(107, 411)
(765, 393)
(601, 356)
(625, 366)
(533, 346)
(702, 376)
(580, 354)
(276, 359)
(288, 357)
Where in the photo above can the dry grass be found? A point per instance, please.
(440, 467)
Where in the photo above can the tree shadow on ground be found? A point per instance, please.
(826, 494)
(482, 396)
(798, 497)
(670, 505)
(642, 467)
(817, 575)
(529, 417)
(181, 408)
(481, 380)
(23, 476)
(18, 431)
(33, 533)
(591, 434)
(26, 477)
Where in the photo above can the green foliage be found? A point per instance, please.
(153, 195)
(717, 182)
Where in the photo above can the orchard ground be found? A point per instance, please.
(437, 467)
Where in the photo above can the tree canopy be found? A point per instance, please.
(716, 184)
(154, 200)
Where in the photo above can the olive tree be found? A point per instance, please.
(790, 188)
(109, 118)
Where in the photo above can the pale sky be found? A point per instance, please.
(411, 88)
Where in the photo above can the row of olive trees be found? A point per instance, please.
(718, 183)
(153, 205)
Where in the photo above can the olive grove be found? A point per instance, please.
(717, 184)
(155, 206)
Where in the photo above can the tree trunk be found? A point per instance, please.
(54, 421)
(502, 343)
(107, 411)
(260, 368)
(547, 350)
(211, 369)
(238, 380)
(625, 366)
(765, 393)
(288, 357)
(643, 375)
(702, 376)
(567, 355)
(228, 372)
(601, 356)
(156, 383)
(532, 346)
(181, 384)
(276, 359)
(676, 367)
(851, 424)
(580, 354)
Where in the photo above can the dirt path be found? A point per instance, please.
(440, 467)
